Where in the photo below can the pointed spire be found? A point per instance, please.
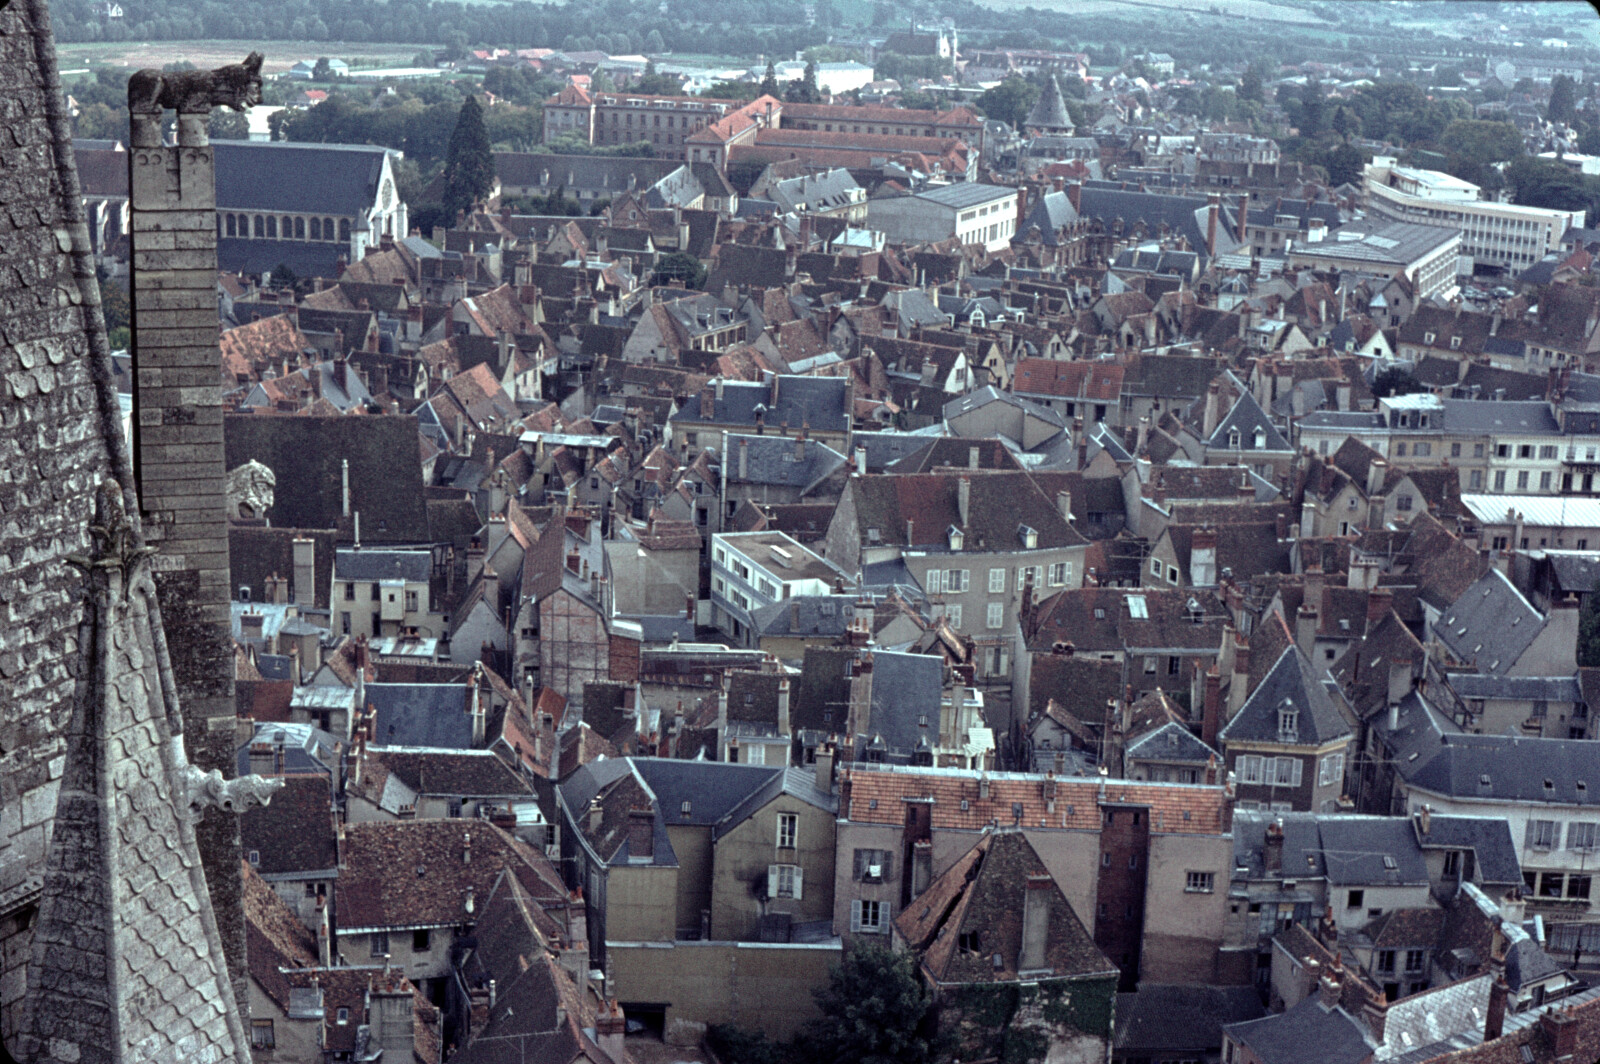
(1049, 114)
(127, 961)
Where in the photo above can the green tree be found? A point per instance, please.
(1472, 147)
(1346, 122)
(1563, 100)
(469, 161)
(1345, 164)
(226, 124)
(653, 42)
(874, 1011)
(1395, 381)
(1589, 631)
(1252, 85)
(679, 266)
(808, 84)
(769, 83)
(323, 70)
(114, 305)
(1010, 101)
(1313, 110)
(282, 276)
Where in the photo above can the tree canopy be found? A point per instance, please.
(874, 1011)
(469, 161)
(1010, 101)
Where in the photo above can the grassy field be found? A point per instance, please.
(280, 55)
(1252, 9)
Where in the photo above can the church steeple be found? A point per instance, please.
(1049, 115)
(127, 961)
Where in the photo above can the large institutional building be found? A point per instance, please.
(1492, 234)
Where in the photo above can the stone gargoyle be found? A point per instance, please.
(196, 92)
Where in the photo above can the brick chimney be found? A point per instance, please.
(1561, 1028)
(1494, 1020)
(1329, 988)
(1379, 601)
(1211, 708)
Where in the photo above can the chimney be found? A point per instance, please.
(783, 706)
(1283, 526)
(1213, 398)
(972, 457)
(964, 499)
(1376, 507)
(1561, 1028)
(825, 759)
(1375, 474)
(1399, 679)
(1241, 676)
(466, 847)
(800, 447)
(1494, 1020)
(1064, 504)
(1244, 216)
(305, 571)
(1144, 435)
(1211, 224)
(641, 833)
(861, 461)
(1211, 708)
(1316, 581)
(1272, 848)
(344, 480)
(1328, 988)
(1305, 628)
(1203, 558)
(744, 459)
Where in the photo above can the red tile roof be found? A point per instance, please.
(1047, 802)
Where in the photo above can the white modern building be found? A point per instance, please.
(1427, 256)
(968, 211)
(750, 570)
(1494, 234)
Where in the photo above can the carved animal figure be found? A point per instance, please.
(196, 92)
(249, 490)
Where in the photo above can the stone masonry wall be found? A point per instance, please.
(54, 450)
(178, 455)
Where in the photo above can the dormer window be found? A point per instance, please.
(1261, 439)
(1030, 538)
(1288, 722)
(957, 538)
(1455, 343)
(1233, 439)
(1428, 338)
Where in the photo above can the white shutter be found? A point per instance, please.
(772, 881)
(1294, 773)
(855, 915)
(797, 876)
(1323, 767)
(935, 581)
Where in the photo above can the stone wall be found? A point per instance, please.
(57, 437)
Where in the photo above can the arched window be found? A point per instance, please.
(233, 225)
(316, 229)
(261, 226)
(299, 228)
(327, 228)
(272, 227)
(344, 229)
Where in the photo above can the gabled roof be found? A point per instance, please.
(1171, 742)
(967, 927)
(1292, 684)
(1490, 626)
(295, 833)
(1308, 1033)
(796, 782)
(1180, 1017)
(334, 179)
(1247, 418)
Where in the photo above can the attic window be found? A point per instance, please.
(683, 810)
(1099, 613)
(1389, 863)
(255, 857)
(1233, 439)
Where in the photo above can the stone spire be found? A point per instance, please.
(127, 961)
(1049, 115)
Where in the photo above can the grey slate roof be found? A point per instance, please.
(1488, 837)
(1309, 1033)
(964, 194)
(1049, 110)
(820, 402)
(798, 782)
(1498, 416)
(1519, 688)
(1051, 212)
(713, 789)
(1358, 851)
(806, 615)
(1185, 216)
(885, 447)
(1575, 570)
(1171, 742)
(421, 714)
(1386, 243)
(905, 689)
(1291, 683)
(1247, 416)
(771, 460)
(1509, 768)
(990, 394)
(414, 566)
(1490, 625)
(333, 179)
(1177, 1017)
